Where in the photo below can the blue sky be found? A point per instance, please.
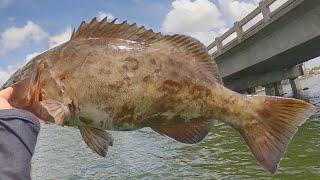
(55, 17)
(28, 27)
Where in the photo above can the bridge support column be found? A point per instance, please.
(251, 90)
(296, 87)
(278, 88)
(269, 89)
(274, 89)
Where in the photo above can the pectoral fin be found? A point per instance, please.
(185, 132)
(97, 140)
(57, 110)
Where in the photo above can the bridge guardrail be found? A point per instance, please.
(267, 12)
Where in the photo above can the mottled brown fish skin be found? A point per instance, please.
(128, 88)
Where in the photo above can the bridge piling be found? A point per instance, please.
(274, 89)
(296, 87)
(278, 88)
(269, 89)
(251, 90)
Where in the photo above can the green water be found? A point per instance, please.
(143, 154)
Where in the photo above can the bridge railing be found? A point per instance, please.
(264, 14)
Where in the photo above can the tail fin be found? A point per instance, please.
(277, 120)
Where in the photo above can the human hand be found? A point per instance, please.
(4, 97)
(4, 104)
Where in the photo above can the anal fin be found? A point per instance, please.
(185, 132)
(97, 140)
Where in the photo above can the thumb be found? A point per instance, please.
(6, 93)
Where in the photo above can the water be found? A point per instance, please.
(62, 154)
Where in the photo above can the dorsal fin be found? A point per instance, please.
(104, 29)
(191, 46)
(196, 49)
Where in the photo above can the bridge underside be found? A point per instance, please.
(283, 67)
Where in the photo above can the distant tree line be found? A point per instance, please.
(314, 70)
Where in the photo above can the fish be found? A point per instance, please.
(122, 77)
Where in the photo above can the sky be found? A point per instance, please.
(29, 27)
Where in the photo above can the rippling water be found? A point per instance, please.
(62, 154)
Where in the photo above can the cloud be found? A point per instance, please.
(53, 41)
(236, 10)
(4, 76)
(60, 38)
(4, 3)
(15, 37)
(192, 16)
(204, 20)
(30, 56)
(14, 67)
(207, 37)
(7, 72)
(101, 15)
(200, 19)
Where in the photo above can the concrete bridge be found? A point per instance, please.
(268, 46)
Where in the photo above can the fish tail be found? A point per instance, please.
(274, 122)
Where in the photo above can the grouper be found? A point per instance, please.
(118, 76)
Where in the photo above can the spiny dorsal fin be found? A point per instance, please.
(196, 49)
(104, 29)
(191, 46)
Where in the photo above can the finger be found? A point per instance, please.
(6, 93)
